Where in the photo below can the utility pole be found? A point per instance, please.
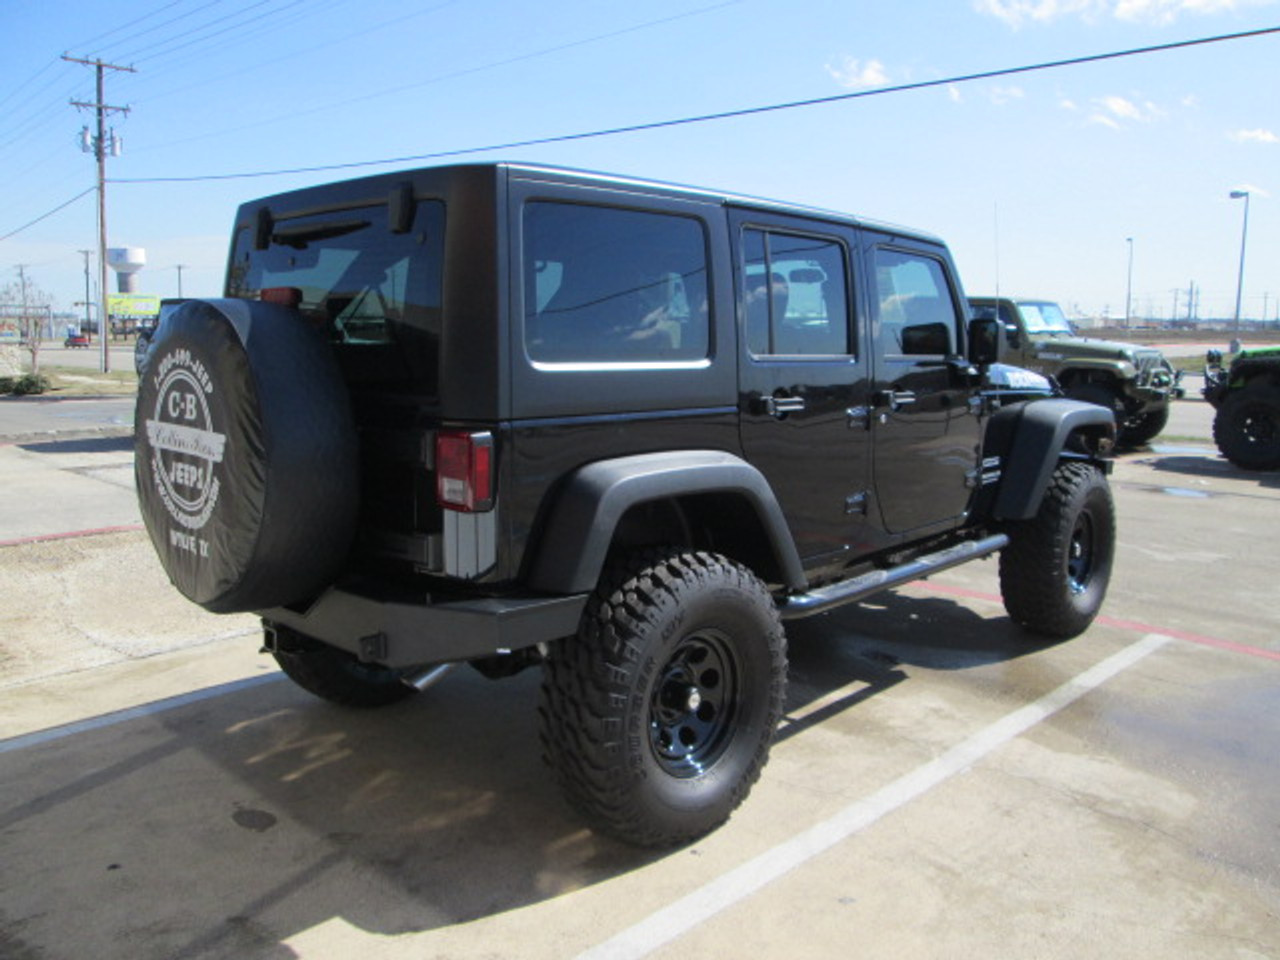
(99, 144)
(1128, 290)
(88, 293)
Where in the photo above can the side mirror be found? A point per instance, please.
(984, 342)
(926, 339)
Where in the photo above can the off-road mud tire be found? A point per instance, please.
(658, 715)
(1246, 427)
(336, 675)
(1055, 571)
(1143, 428)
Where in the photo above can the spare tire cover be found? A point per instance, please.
(246, 457)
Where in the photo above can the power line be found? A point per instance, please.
(726, 114)
(536, 54)
(198, 34)
(30, 80)
(95, 41)
(46, 216)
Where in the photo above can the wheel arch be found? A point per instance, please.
(1032, 437)
(715, 495)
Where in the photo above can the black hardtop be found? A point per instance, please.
(463, 180)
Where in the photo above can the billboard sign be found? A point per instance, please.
(133, 306)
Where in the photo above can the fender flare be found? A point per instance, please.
(582, 521)
(1034, 436)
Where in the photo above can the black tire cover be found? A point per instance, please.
(246, 456)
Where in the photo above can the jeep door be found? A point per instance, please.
(925, 423)
(802, 382)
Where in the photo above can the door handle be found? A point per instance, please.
(780, 406)
(895, 400)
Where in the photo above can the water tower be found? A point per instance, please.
(126, 262)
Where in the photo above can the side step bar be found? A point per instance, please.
(847, 591)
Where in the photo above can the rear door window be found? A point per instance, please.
(795, 295)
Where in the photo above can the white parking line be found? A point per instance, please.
(676, 919)
(133, 713)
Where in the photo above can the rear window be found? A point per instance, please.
(375, 294)
(606, 286)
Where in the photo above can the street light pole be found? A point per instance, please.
(1128, 290)
(1244, 236)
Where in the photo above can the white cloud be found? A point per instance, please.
(1016, 13)
(855, 74)
(1254, 136)
(1167, 11)
(1115, 111)
(1003, 95)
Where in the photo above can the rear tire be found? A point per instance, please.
(1055, 571)
(1247, 426)
(658, 715)
(336, 675)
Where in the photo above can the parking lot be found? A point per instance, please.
(940, 786)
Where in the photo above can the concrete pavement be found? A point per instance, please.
(941, 785)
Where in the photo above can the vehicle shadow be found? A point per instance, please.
(80, 445)
(227, 826)
(1209, 466)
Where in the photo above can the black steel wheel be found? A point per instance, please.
(1055, 572)
(694, 704)
(658, 715)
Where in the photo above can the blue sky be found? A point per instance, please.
(1037, 181)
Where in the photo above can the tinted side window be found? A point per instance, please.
(795, 295)
(916, 311)
(606, 285)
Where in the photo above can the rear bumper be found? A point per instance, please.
(397, 633)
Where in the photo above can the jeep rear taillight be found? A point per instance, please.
(464, 470)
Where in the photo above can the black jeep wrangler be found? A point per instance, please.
(511, 416)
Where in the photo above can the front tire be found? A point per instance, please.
(1143, 428)
(1247, 426)
(1055, 571)
(658, 715)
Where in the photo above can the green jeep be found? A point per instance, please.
(1135, 383)
(1246, 396)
